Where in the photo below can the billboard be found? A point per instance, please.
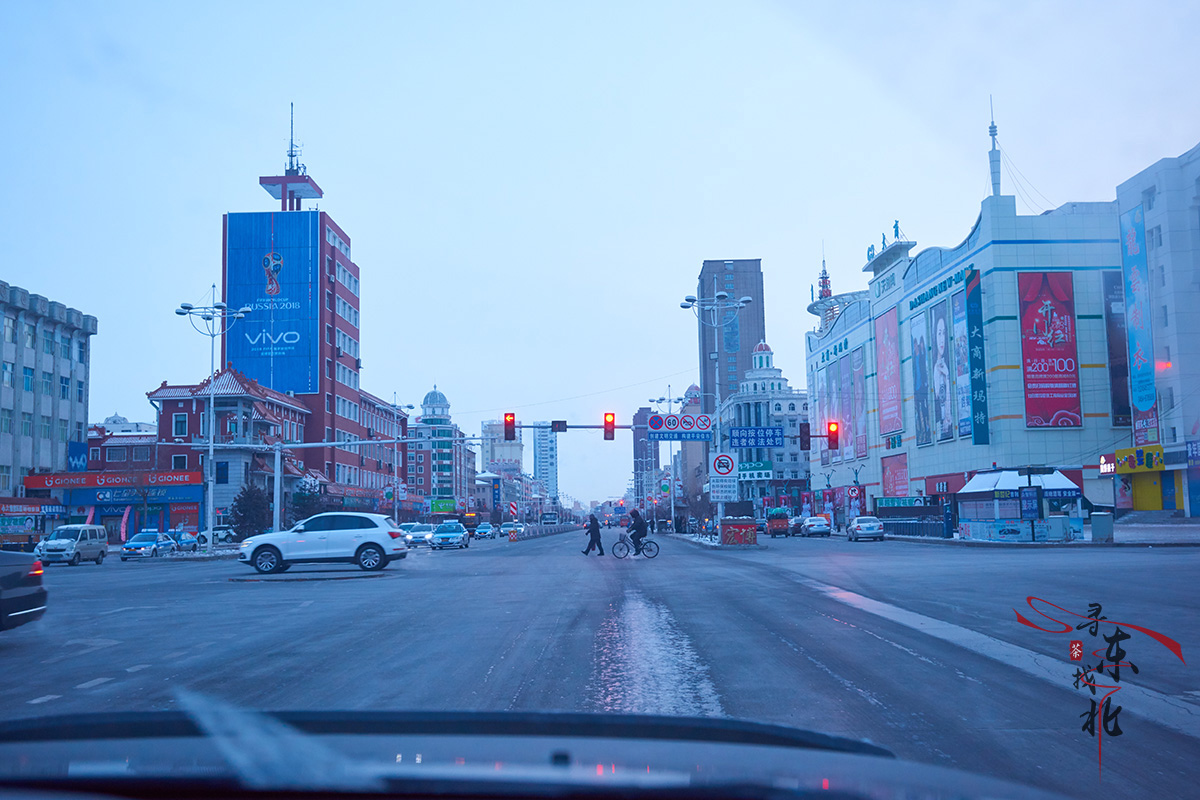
(895, 475)
(1143, 400)
(272, 265)
(833, 408)
(846, 395)
(962, 369)
(1118, 354)
(858, 362)
(944, 417)
(976, 358)
(1046, 309)
(887, 372)
(919, 329)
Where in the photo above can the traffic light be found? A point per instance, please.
(558, 426)
(831, 435)
(805, 436)
(610, 424)
(510, 427)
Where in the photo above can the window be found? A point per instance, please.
(1174, 437)
(179, 462)
(1164, 316)
(48, 343)
(141, 453)
(1170, 399)
(1148, 198)
(180, 425)
(79, 431)
(5, 479)
(6, 420)
(8, 373)
(328, 369)
(64, 346)
(47, 382)
(420, 470)
(44, 430)
(64, 428)
(778, 406)
(30, 335)
(112, 454)
(27, 375)
(81, 352)
(94, 454)
(64, 388)
(1154, 238)
(80, 396)
(26, 424)
(420, 458)
(222, 472)
(10, 330)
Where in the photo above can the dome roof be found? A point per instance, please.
(762, 347)
(435, 398)
(116, 419)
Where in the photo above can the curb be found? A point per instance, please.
(1032, 545)
(182, 560)
(299, 579)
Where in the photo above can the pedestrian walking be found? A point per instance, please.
(593, 531)
(652, 524)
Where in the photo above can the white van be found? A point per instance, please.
(74, 544)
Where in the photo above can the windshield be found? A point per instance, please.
(390, 268)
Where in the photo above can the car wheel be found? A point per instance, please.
(195, 547)
(100, 558)
(154, 553)
(123, 558)
(267, 559)
(228, 539)
(202, 539)
(76, 560)
(370, 558)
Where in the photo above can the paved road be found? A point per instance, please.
(915, 647)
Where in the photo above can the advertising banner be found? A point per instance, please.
(858, 362)
(806, 504)
(962, 369)
(846, 395)
(975, 355)
(895, 475)
(1118, 352)
(1046, 305)
(919, 328)
(832, 410)
(66, 480)
(887, 372)
(944, 418)
(272, 266)
(1143, 399)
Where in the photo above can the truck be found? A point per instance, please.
(549, 519)
(778, 522)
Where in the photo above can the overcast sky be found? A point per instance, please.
(530, 188)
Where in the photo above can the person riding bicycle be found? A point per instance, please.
(638, 528)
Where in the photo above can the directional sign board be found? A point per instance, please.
(756, 437)
(680, 436)
(722, 478)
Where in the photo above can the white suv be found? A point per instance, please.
(369, 540)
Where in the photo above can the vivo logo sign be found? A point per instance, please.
(77, 463)
(287, 337)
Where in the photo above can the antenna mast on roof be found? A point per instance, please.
(294, 167)
(994, 154)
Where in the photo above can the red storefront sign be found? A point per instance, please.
(1048, 351)
(895, 475)
(89, 480)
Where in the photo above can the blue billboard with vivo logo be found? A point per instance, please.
(272, 262)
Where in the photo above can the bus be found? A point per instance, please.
(549, 519)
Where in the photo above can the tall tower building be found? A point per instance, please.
(545, 459)
(725, 352)
(645, 456)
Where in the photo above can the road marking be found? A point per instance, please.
(128, 608)
(92, 646)
(46, 698)
(137, 668)
(1172, 712)
(306, 604)
(93, 682)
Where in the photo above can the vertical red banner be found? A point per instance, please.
(887, 371)
(895, 475)
(1048, 350)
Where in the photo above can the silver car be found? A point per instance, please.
(148, 544)
(865, 528)
(74, 544)
(815, 526)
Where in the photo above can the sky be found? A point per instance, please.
(530, 188)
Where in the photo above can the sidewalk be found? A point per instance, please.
(1173, 535)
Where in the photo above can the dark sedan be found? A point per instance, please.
(22, 596)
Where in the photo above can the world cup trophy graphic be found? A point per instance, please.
(272, 264)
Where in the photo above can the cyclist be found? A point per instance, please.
(638, 528)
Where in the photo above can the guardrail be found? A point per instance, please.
(932, 528)
(538, 531)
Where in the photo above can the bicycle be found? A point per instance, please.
(624, 546)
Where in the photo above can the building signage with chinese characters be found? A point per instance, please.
(722, 478)
(1137, 327)
(756, 437)
(77, 480)
(975, 356)
(1046, 304)
(1139, 459)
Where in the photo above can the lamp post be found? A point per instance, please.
(396, 457)
(716, 312)
(670, 401)
(214, 320)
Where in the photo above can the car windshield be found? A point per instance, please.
(314, 280)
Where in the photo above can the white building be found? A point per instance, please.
(545, 459)
(495, 451)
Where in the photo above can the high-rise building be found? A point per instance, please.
(494, 450)
(645, 456)
(545, 458)
(293, 269)
(44, 387)
(725, 351)
(444, 466)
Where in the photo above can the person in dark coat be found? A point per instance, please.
(638, 530)
(593, 529)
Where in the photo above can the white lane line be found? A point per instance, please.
(306, 604)
(1172, 712)
(46, 698)
(137, 668)
(93, 682)
(128, 608)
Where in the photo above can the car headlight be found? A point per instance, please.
(408, 536)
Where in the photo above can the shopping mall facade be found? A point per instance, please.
(1011, 350)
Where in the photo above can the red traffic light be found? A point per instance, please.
(610, 424)
(510, 427)
(831, 435)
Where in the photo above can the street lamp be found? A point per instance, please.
(669, 400)
(215, 320)
(716, 312)
(396, 458)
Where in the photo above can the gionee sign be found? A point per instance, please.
(88, 480)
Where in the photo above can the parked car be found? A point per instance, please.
(371, 541)
(73, 544)
(485, 531)
(22, 596)
(865, 528)
(184, 541)
(148, 544)
(418, 534)
(450, 534)
(815, 526)
(224, 534)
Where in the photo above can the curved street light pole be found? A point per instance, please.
(721, 309)
(214, 320)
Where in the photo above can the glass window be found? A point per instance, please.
(47, 382)
(48, 343)
(64, 346)
(6, 420)
(26, 424)
(27, 375)
(141, 453)
(5, 479)
(79, 431)
(114, 454)
(64, 388)
(64, 428)
(10, 330)
(8, 373)
(45, 427)
(79, 392)
(30, 335)
(179, 462)
(180, 425)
